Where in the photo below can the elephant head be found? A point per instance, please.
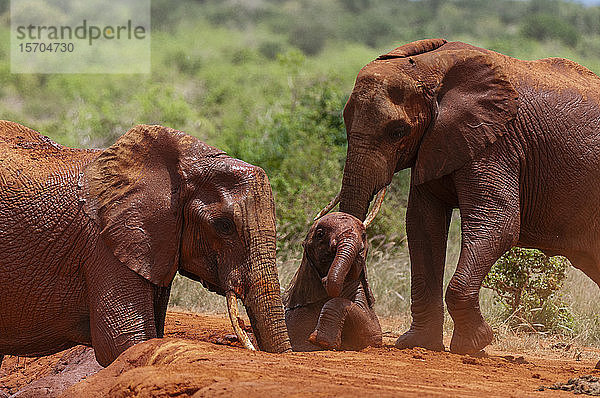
(166, 202)
(334, 258)
(429, 105)
(329, 292)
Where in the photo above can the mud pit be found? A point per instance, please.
(197, 359)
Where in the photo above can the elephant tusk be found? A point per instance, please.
(376, 207)
(330, 206)
(232, 309)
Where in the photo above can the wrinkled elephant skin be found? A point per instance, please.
(514, 145)
(329, 304)
(90, 240)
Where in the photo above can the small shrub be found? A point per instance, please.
(241, 56)
(185, 62)
(270, 49)
(527, 284)
(308, 36)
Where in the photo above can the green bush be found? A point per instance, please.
(309, 36)
(527, 284)
(184, 61)
(270, 49)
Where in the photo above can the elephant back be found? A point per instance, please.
(29, 159)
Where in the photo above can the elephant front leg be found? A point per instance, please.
(121, 311)
(490, 222)
(161, 302)
(427, 223)
(328, 333)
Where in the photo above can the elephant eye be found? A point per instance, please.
(224, 226)
(320, 234)
(397, 130)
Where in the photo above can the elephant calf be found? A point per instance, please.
(329, 304)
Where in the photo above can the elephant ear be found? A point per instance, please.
(475, 101)
(306, 286)
(414, 48)
(368, 292)
(132, 190)
(365, 282)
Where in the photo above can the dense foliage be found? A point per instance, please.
(528, 283)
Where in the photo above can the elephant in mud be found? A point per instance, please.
(90, 240)
(514, 145)
(328, 304)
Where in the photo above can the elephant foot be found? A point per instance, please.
(471, 337)
(325, 340)
(421, 337)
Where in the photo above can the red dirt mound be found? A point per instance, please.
(46, 376)
(189, 363)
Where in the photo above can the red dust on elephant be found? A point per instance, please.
(90, 240)
(514, 145)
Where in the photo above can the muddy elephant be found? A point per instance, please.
(514, 145)
(90, 240)
(328, 304)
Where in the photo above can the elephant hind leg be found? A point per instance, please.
(490, 224)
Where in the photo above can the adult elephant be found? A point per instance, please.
(514, 145)
(90, 240)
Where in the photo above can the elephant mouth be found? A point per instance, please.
(210, 286)
(372, 213)
(232, 309)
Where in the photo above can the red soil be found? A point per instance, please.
(198, 359)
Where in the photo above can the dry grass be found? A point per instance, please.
(583, 295)
(189, 295)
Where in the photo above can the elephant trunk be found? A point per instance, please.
(265, 310)
(357, 187)
(345, 255)
(262, 297)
